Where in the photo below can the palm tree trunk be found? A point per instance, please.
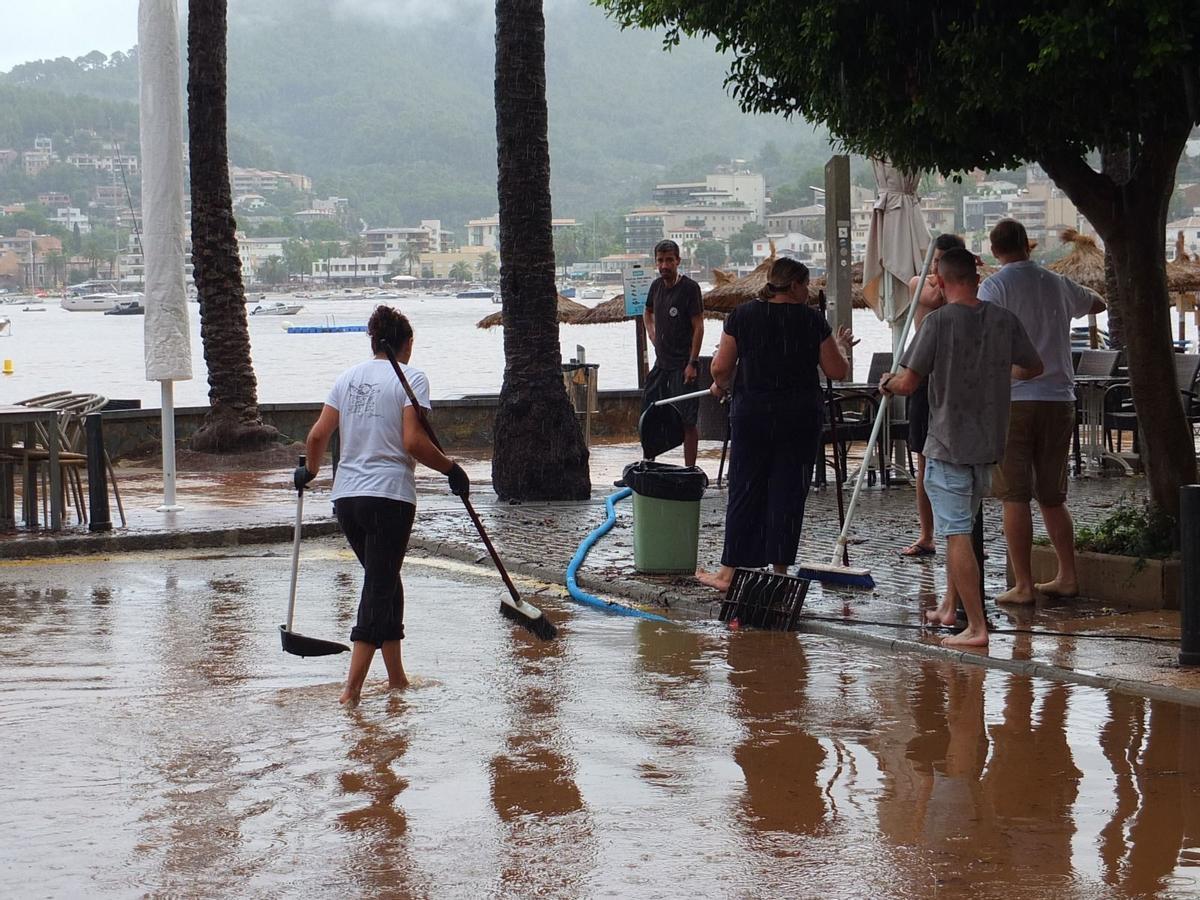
(539, 450)
(233, 422)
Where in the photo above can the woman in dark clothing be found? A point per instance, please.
(774, 345)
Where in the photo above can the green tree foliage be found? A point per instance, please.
(273, 271)
(460, 271)
(297, 257)
(744, 237)
(903, 81)
(708, 254)
(486, 266)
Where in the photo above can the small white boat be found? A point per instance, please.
(276, 309)
(592, 293)
(101, 302)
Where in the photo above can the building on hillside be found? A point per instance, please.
(858, 195)
(808, 250)
(249, 202)
(35, 161)
(54, 199)
(428, 237)
(1190, 226)
(728, 186)
(802, 219)
(438, 265)
(33, 253)
(259, 181)
(940, 219)
(8, 158)
(622, 263)
(97, 163)
(485, 232)
(254, 253)
(69, 217)
(646, 226)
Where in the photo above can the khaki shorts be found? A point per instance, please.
(1036, 452)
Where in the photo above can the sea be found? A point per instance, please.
(52, 349)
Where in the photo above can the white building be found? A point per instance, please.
(1190, 227)
(348, 270)
(485, 232)
(254, 252)
(809, 250)
(69, 216)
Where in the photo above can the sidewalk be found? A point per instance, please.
(228, 508)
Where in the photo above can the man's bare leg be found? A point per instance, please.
(691, 444)
(1018, 535)
(1061, 529)
(963, 571)
(395, 667)
(360, 662)
(718, 580)
(924, 511)
(946, 612)
(779, 568)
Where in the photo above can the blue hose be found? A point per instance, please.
(577, 560)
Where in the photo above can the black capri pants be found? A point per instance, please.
(771, 460)
(378, 529)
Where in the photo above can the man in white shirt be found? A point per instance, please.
(1042, 418)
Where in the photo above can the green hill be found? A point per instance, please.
(395, 112)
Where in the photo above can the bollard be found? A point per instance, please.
(99, 518)
(1189, 600)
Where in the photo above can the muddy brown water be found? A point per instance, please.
(156, 742)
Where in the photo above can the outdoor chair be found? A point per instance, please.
(72, 454)
(1089, 362)
(1120, 415)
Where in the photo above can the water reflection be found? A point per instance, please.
(778, 756)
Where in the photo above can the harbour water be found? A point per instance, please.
(53, 349)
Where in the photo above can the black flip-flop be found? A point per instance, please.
(910, 553)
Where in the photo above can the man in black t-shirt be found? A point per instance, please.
(674, 320)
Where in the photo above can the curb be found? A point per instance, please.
(108, 543)
(638, 592)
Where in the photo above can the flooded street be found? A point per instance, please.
(157, 742)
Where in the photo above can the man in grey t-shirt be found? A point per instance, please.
(966, 351)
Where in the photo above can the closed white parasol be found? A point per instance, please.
(167, 338)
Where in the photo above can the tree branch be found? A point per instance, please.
(1094, 193)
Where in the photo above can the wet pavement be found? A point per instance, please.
(1080, 641)
(159, 743)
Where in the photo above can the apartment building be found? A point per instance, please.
(647, 226)
(257, 181)
(485, 232)
(805, 248)
(727, 186)
(802, 219)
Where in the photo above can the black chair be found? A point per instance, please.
(855, 417)
(1121, 416)
(1089, 362)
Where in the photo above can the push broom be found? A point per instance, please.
(524, 614)
(835, 573)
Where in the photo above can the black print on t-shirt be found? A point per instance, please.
(362, 400)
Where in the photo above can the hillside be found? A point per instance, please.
(396, 113)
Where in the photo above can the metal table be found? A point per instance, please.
(1090, 389)
(30, 417)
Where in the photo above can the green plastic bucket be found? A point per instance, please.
(665, 534)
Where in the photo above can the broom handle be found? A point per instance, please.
(682, 397)
(837, 468)
(296, 551)
(483, 535)
(840, 546)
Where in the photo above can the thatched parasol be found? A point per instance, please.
(568, 312)
(1084, 264)
(729, 294)
(1183, 272)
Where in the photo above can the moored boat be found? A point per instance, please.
(127, 308)
(276, 309)
(476, 291)
(101, 302)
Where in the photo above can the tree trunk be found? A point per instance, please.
(233, 422)
(1114, 162)
(1131, 219)
(539, 452)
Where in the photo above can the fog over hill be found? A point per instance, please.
(389, 102)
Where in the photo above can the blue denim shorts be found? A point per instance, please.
(955, 493)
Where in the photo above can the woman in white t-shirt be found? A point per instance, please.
(374, 489)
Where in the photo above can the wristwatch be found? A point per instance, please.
(693, 362)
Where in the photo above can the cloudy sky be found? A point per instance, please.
(50, 28)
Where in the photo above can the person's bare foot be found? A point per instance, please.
(398, 684)
(967, 638)
(713, 580)
(1014, 595)
(1058, 588)
(349, 698)
(939, 616)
